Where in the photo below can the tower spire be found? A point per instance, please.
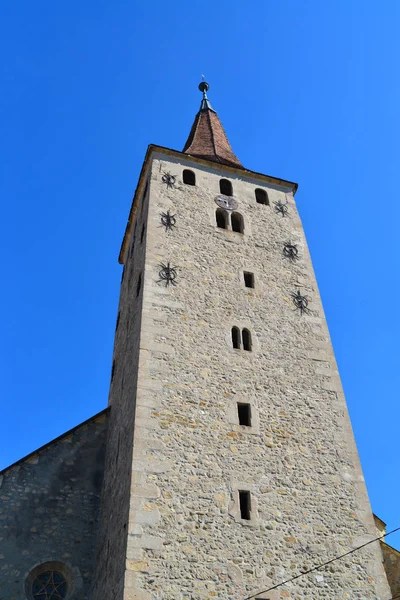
(207, 138)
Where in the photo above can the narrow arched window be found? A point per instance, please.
(189, 177)
(236, 337)
(237, 222)
(246, 338)
(261, 196)
(225, 187)
(142, 234)
(221, 217)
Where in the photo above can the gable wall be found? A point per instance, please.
(49, 506)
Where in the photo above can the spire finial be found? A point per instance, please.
(204, 87)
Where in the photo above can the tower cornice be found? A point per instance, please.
(285, 185)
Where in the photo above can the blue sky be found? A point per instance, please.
(307, 91)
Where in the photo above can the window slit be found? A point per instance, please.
(139, 285)
(113, 370)
(248, 279)
(244, 414)
(144, 197)
(245, 504)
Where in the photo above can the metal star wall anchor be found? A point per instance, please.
(167, 274)
(291, 252)
(168, 220)
(281, 208)
(300, 302)
(168, 179)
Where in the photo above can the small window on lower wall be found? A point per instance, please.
(245, 504)
(244, 414)
(248, 279)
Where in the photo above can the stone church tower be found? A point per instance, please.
(231, 464)
(225, 463)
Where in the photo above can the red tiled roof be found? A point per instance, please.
(207, 139)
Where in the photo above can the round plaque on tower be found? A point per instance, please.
(226, 202)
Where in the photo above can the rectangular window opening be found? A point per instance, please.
(248, 279)
(244, 413)
(245, 504)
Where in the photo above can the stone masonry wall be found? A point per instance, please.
(112, 540)
(390, 557)
(49, 504)
(309, 503)
(391, 563)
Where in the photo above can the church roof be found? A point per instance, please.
(207, 138)
(30, 458)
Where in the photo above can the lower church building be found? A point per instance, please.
(225, 466)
